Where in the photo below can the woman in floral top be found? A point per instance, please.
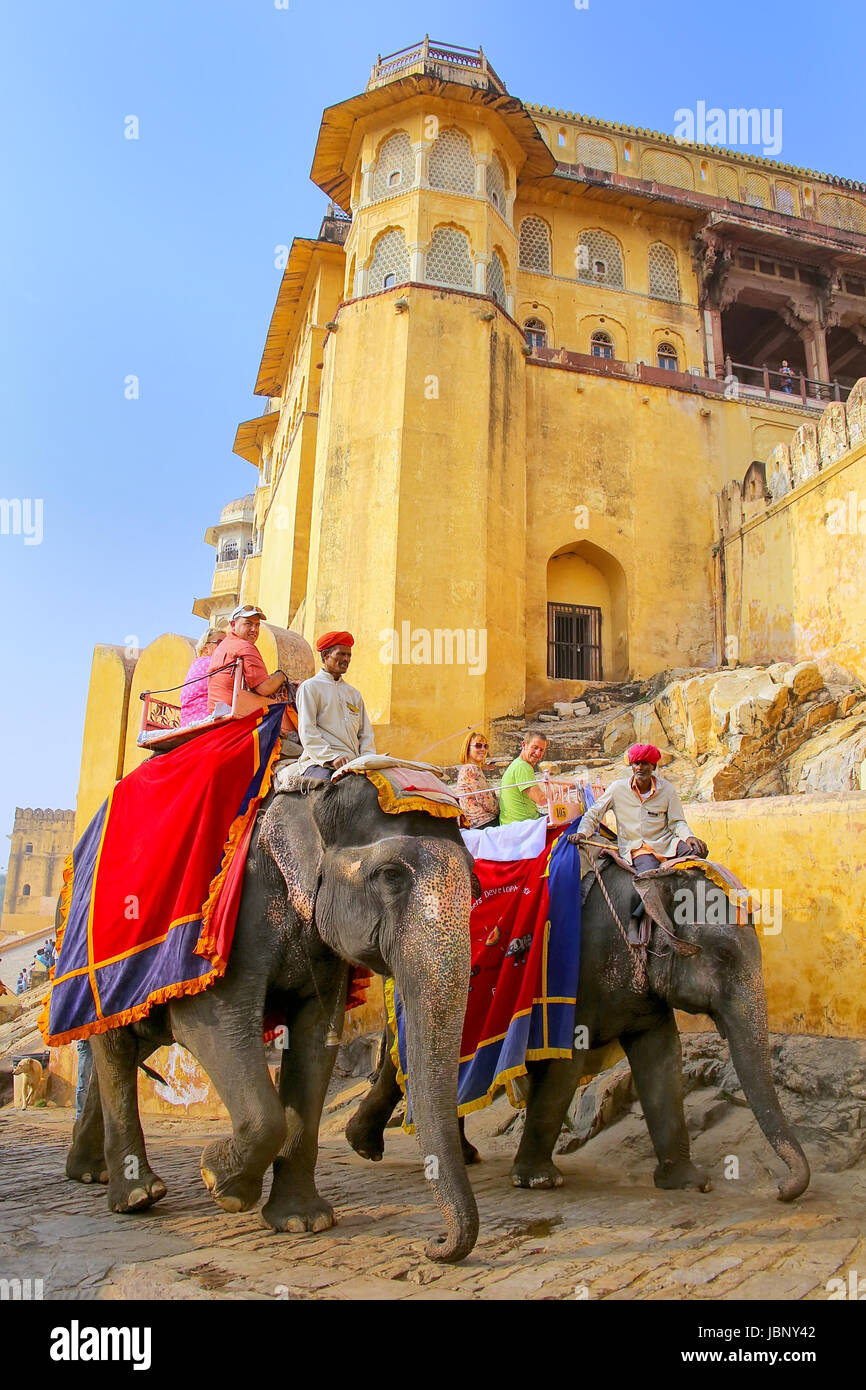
(480, 810)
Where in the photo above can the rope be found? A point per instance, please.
(638, 962)
(169, 688)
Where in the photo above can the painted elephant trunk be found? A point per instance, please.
(432, 976)
(746, 1031)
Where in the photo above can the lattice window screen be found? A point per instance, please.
(599, 246)
(667, 168)
(596, 153)
(449, 259)
(451, 164)
(786, 200)
(663, 278)
(534, 253)
(842, 212)
(496, 184)
(756, 191)
(395, 154)
(390, 256)
(726, 180)
(496, 280)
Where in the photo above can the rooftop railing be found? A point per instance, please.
(443, 59)
(783, 386)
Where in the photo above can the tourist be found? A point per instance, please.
(240, 642)
(193, 696)
(333, 725)
(787, 375)
(21, 984)
(650, 825)
(85, 1067)
(520, 795)
(481, 805)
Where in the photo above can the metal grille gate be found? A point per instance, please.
(573, 642)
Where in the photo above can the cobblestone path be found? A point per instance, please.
(606, 1234)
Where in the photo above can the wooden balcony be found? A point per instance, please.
(448, 62)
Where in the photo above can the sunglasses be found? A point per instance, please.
(480, 745)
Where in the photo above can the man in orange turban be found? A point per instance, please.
(333, 725)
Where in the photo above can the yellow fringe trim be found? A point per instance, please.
(502, 1078)
(65, 905)
(395, 805)
(184, 987)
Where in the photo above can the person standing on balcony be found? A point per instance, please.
(787, 375)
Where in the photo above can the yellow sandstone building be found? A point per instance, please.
(525, 421)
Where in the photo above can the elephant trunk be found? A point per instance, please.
(746, 1030)
(432, 976)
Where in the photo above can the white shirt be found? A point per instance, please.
(332, 721)
(655, 820)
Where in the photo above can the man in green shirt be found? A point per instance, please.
(520, 797)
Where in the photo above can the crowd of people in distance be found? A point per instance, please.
(44, 959)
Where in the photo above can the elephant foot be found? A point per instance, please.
(295, 1215)
(364, 1139)
(544, 1174)
(232, 1189)
(86, 1168)
(135, 1194)
(681, 1175)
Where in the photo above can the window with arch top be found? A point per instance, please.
(534, 247)
(28, 848)
(496, 280)
(601, 344)
(395, 167)
(663, 277)
(496, 184)
(599, 259)
(449, 258)
(451, 165)
(25, 891)
(667, 358)
(535, 333)
(390, 262)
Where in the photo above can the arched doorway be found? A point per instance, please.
(587, 615)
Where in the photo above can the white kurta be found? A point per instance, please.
(332, 721)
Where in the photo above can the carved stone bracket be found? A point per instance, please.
(711, 256)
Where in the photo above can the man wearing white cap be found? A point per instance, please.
(240, 642)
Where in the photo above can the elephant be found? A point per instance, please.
(330, 879)
(708, 969)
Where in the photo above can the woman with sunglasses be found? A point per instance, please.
(478, 802)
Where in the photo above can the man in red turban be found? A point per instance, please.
(333, 725)
(650, 825)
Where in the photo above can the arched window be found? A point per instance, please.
(451, 165)
(663, 279)
(534, 252)
(25, 891)
(599, 259)
(229, 552)
(601, 344)
(756, 190)
(666, 168)
(496, 185)
(390, 263)
(28, 848)
(449, 259)
(727, 184)
(786, 199)
(395, 167)
(666, 356)
(596, 153)
(535, 333)
(496, 280)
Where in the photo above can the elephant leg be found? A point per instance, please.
(132, 1183)
(85, 1161)
(365, 1130)
(656, 1061)
(294, 1204)
(225, 1037)
(551, 1087)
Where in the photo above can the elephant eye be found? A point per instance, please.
(391, 878)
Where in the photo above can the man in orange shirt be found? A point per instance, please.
(240, 642)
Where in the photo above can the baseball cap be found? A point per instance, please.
(247, 610)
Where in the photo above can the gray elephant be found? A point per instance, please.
(698, 967)
(329, 879)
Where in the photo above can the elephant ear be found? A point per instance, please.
(289, 839)
(656, 910)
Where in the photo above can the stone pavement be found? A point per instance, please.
(606, 1234)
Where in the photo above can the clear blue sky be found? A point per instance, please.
(155, 257)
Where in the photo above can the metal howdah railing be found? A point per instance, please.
(778, 382)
